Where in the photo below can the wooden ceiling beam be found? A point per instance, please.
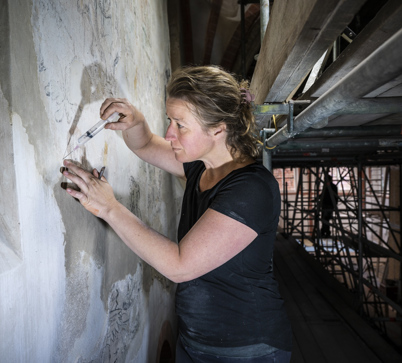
(211, 30)
(187, 32)
(298, 33)
(232, 51)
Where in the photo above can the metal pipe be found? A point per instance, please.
(383, 105)
(369, 158)
(291, 164)
(267, 159)
(341, 144)
(290, 116)
(334, 158)
(353, 131)
(317, 215)
(360, 233)
(372, 105)
(284, 198)
(264, 17)
(243, 40)
(336, 49)
(286, 205)
(399, 297)
(301, 202)
(292, 160)
(296, 201)
(382, 66)
(269, 109)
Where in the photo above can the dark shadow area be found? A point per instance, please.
(166, 353)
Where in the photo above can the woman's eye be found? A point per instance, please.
(179, 126)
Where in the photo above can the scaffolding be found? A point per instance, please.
(362, 248)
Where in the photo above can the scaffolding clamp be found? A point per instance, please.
(290, 109)
(290, 116)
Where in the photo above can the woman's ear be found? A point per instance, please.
(219, 130)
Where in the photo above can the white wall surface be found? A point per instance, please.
(70, 290)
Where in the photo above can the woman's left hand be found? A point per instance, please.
(96, 195)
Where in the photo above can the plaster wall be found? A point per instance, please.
(70, 290)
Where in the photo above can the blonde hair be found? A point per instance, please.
(216, 97)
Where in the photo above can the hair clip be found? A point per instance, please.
(247, 96)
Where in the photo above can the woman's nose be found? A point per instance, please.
(170, 133)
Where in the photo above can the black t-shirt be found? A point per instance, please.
(237, 304)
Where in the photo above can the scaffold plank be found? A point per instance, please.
(325, 326)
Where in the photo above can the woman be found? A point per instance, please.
(227, 300)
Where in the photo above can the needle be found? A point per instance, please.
(71, 152)
(95, 130)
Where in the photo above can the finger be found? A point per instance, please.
(118, 125)
(80, 177)
(106, 103)
(113, 105)
(83, 174)
(79, 182)
(78, 195)
(84, 200)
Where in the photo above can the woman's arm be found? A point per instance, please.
(137, 135)
(212, 241)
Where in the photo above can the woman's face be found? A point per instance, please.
(187, 138)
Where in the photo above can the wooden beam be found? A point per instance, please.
(298, 33)
(211, 30)
(187, 32)
(325, 323)
(232, 51)
(385, 24)
(173, 9)
(253, 46)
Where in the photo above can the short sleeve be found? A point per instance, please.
(251, 198)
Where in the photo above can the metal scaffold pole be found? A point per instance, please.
(360, 234)
(360, 244)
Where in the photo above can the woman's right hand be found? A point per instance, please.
(129, 115)
(137, 135)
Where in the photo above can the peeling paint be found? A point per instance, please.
(70, 273)
(11, 253)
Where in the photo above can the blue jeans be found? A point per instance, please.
(185, 354)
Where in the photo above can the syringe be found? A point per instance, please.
(84, 138)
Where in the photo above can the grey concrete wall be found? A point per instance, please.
(70, 290)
